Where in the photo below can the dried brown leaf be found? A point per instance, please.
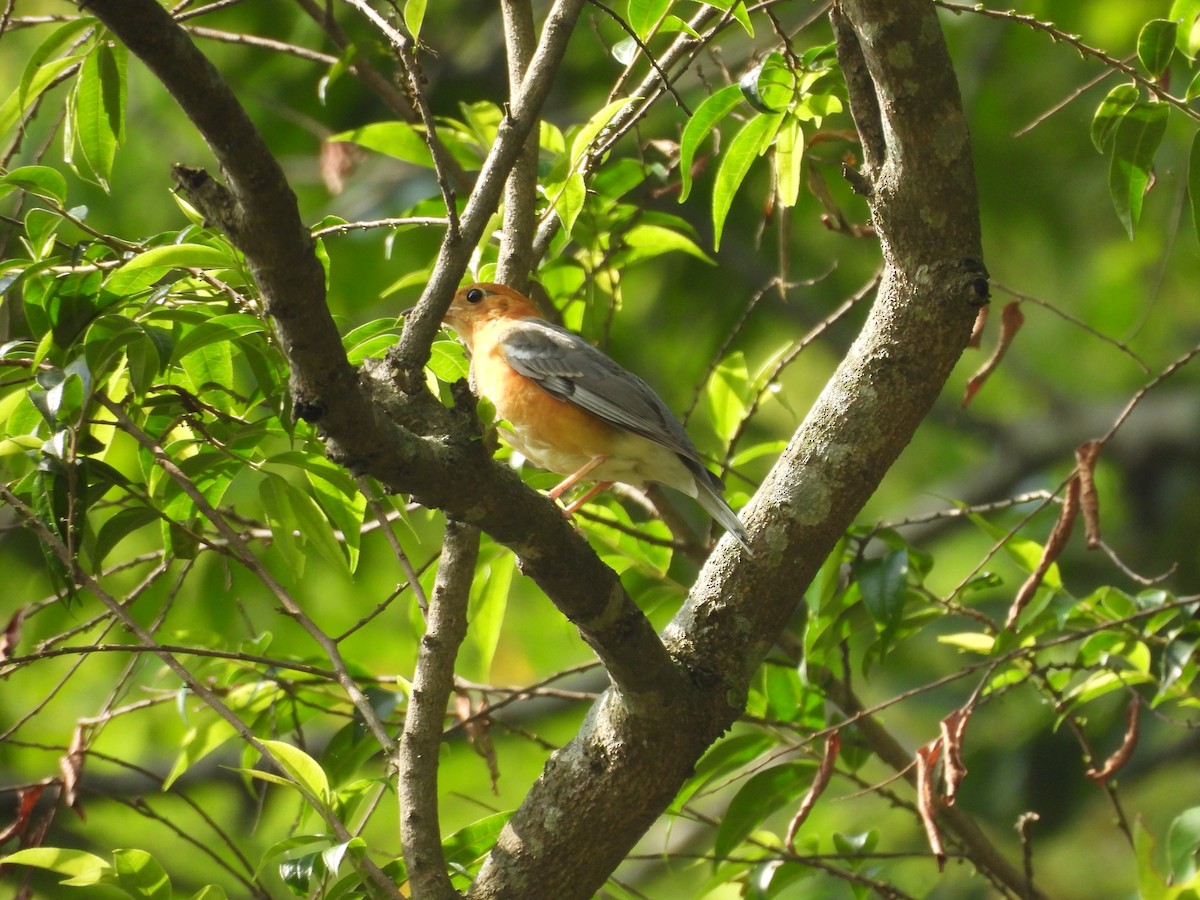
(1119, 757)
(1054, 547)
(27, 799)
(927, 757)
(954, 771)
(833, 744)
(981, 319)
(478, 727)
(1011, 320)
(11, 634)
(1089, 499)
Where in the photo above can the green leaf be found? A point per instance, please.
(99, 107)
(302, 768)
(653, 240)
(1183, 844)
(568, 200)
(336, 71)
(1150, 883)
(723, 758)
(224, 328)
(817, 107)
(644, 15)
(448, 361)
(146, 268)
(750, 142)
(1156, 45)
(1134, 146)
(140, 874)
(789, 155)
(210, 366)
(472, 841)
(971, 641)
(1187, 37)
(728, 395)
(210, 892)
(201, 739)
(761, 795)
(703, 120)
(582, 142)
(75, 863)
(36, 81)
(1193, 88)
(883, 583)
(1109, 113)
(315, 527)
(273, 493)
(672, 24)
(397, 139)
(737, 9)
(414, 15)
(40, 180)
(770, 87)
(117, 528)
(489, 602)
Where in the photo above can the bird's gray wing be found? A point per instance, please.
(568, 367)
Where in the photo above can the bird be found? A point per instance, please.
(572, 410)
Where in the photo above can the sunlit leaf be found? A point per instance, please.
(99, 107)
(749, 143)
(472, 841)
(141, 875)
(972, 641)
(789, 154)
(653, 240)
(414, 16)
(727, 395)
(488, 605)
(703, 120)
(770, 86)
(41, 180)
(140, 271)
(1109, 113)
(1134, 146)
(303, 769)
(1156, 45)
(1187, 14)
(82, 868)
(398, 139)
(645, 14)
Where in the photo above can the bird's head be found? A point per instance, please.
(477, 304)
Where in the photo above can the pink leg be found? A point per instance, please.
(571, 480)
(595, 489)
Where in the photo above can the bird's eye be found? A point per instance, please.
(474, 295)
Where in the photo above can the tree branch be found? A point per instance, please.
(520, 191)
(411, 354)
(445, 628)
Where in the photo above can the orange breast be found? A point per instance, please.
(553, 434)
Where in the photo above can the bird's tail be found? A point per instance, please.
(716, 507)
